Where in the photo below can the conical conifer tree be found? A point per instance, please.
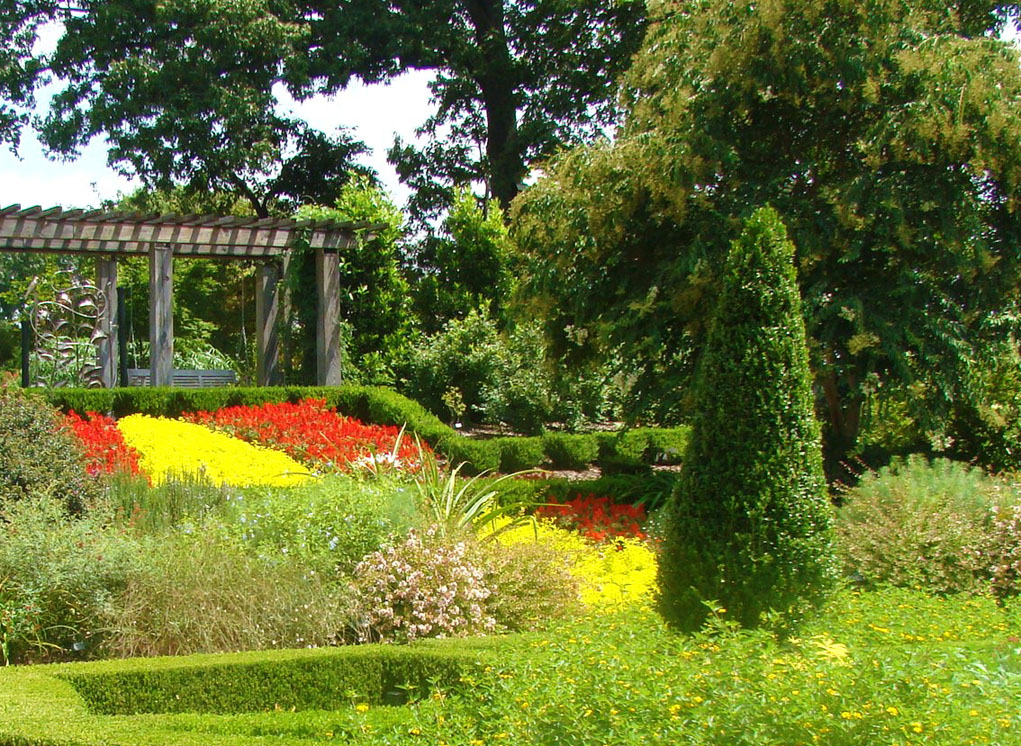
(749, 526)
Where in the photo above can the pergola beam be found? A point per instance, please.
(75, 231)
(108, 235)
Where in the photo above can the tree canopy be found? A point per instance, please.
(886, 134)
(184, 89)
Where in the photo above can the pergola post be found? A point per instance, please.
(161, 314)
(106, 346)
(328, 352)
(267, 309)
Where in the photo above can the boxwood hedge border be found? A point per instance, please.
(631, 450)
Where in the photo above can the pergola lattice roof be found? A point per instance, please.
(101, 232)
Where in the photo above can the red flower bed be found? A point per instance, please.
(597, 518)
(105, 449)
(312, 433)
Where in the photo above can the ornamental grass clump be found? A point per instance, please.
(171, 448)
(748, 526)
(201, 593)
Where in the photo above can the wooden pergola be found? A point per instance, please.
(109, 235)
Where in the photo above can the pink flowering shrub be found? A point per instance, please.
(1005, 551)
(422, 588)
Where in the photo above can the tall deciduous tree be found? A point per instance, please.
(183, 92)
(183, 89)
(516, 80)
(18, 68)
(887, 136)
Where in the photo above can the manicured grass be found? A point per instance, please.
(879, 667)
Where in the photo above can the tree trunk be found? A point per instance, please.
(496, 79)
(842, 427)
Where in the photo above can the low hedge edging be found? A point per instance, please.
(69, 703)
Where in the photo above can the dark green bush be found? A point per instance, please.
(463, 357)
(519, 454)
(632, 446)
(10, 344)
(477, 455)
(624, 452)
(566, 451)
(39, 457)
(667, 445)
(749, 526)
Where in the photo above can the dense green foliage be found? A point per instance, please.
(464, 268)
(478, 371)
(885, 134)
(890, 666)
(38, 457)
(10, 346)
(157, 78)
(514, 80)
(749, 524)
(375, 303)
(939, 525)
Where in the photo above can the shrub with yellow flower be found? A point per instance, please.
(619, 573)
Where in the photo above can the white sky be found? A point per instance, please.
(373, 113)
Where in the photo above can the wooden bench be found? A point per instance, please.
(190, 379)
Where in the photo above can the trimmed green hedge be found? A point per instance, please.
(71, 703)
(323, 679)
(625, 451)
(367, 403)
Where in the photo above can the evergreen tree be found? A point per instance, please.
(749, 524)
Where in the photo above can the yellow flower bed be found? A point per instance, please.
(616, 574)
(171, 447)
